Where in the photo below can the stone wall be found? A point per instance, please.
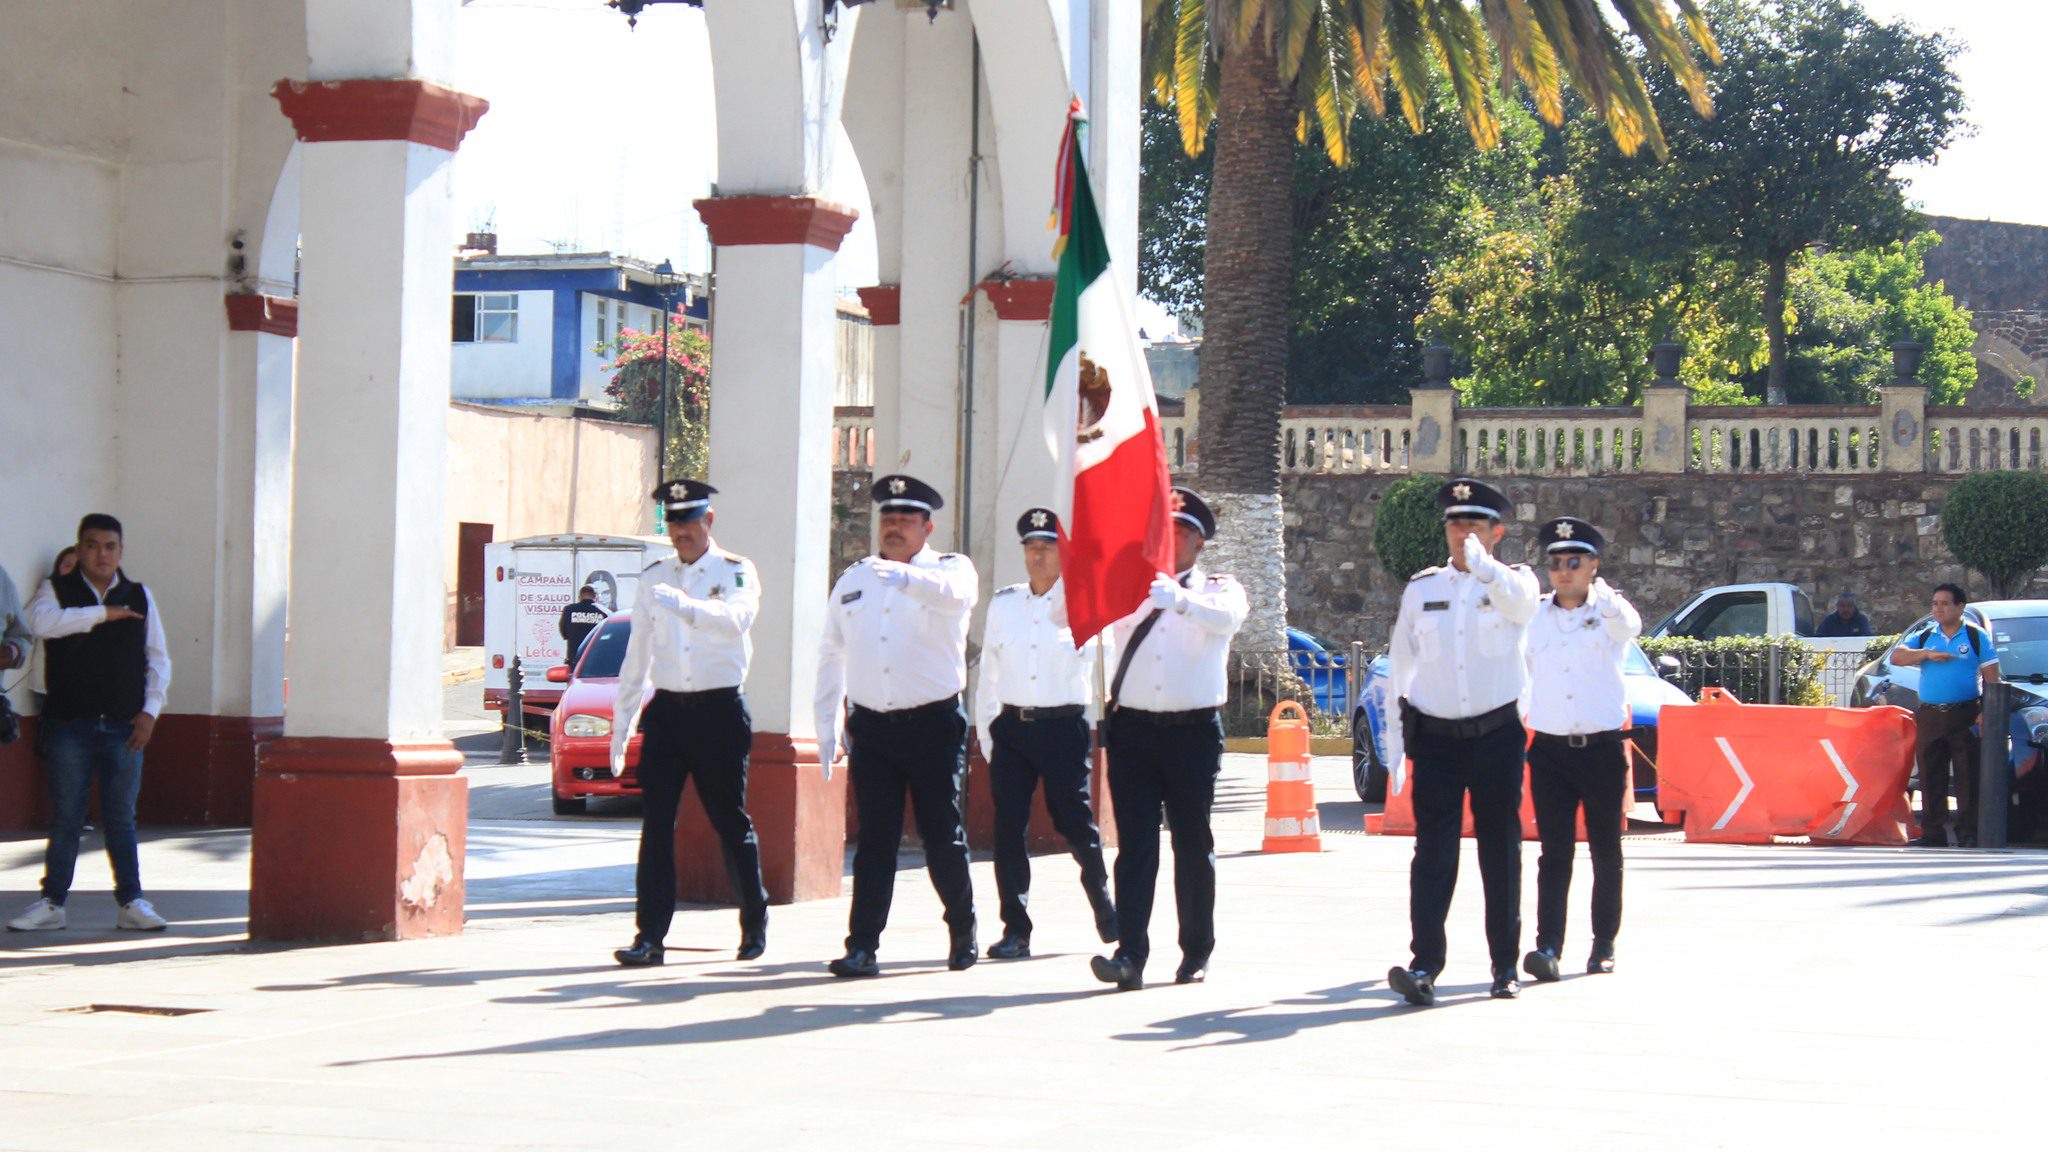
(1669, 537)
(1989, 265)
(853, 517)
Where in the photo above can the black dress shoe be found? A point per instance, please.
(1106, 925)
(753, 942)
(1013, 946)
(1936, 837)
(1542, 964)
(1505, 986)
(856, 962)
(643, 954)
(1191, 972)
(1415, 986)
(963, 955)
(1601, 962)
(1117, 970)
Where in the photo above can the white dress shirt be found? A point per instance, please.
(50, 620)
(1182, 663)
(689, 633)
(1575, 664)
(1028, 657)
(888, 646)
(1457, 647)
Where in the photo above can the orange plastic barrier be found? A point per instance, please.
(1745, 773)
(1292, 823)
(1398, 817)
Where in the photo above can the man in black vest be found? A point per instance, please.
(579, 619)
(108, 670)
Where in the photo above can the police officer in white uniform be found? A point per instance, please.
(1166, 748)
(1031, 708)
(1578, 705)
(1456, 666)
(686, 657)
(894, 654)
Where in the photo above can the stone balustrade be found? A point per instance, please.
(1665, 434)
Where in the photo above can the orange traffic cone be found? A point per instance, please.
(1291, 821)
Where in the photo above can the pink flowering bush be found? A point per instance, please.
(634, 359)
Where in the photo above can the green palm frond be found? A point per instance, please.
(1336, 57)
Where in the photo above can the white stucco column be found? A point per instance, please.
(360, 822)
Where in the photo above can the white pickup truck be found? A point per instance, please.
(1767, 610)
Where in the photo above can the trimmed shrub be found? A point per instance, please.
(1742, 666)
(1408, 532)
(1997, 524)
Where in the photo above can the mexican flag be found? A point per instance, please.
(1101, 419)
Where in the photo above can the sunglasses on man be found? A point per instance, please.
(1569, 563)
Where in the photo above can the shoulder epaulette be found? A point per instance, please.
(1221, 578)
(1429, 571)
(1006, 589)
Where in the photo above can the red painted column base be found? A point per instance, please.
(202, 769)
(21, 782)
(357, 840)
(799, 818)
(1040, 837)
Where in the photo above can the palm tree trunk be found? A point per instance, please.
(1774, 328)
(1246, 279)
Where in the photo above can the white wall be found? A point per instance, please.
(516, 370)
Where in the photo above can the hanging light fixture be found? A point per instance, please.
(828, 14)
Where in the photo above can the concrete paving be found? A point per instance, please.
(1766, 996)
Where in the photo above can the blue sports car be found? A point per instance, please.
(1648, 692)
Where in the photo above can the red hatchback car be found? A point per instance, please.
(580, 734)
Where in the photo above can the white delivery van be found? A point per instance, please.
(528, 582)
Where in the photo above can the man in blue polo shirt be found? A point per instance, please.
(1951, 653)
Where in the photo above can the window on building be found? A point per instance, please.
(486, 317)
(604, 318)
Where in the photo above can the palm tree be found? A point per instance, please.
(1266, 73)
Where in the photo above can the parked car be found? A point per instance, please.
(1763, 610)
(2019, 630)
(580, 732)
(1648, 693)
(1319, 667)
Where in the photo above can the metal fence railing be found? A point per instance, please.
(1325, 684)
(1785, 672)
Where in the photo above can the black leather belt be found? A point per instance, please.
(1169, 719)
(1582, 739)
(695, 699)
(918, 712)
(1055, 712)
(1468, 728)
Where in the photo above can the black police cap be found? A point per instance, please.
(1465, 496)
(684, 500)
(1189, 509)
(899, 493)
(1039, 524)
(1569, 534)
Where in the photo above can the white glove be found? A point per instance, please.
(1477, 560)
(1603, 596)
(675, 600)
(988, 743)
(891, 573)
(1166, 592)
(828, 751)
(620, 735)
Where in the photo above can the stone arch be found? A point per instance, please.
(2001, 363)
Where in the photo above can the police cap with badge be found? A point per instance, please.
(1567, 535)
(899, 493)
(684, 500)
(1465, 497)
(1038, 524)
(1189, 509)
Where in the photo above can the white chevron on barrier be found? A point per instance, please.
(1848, 792)
(1747, 784)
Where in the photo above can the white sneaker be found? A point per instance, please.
(138, 916)
(42, 916)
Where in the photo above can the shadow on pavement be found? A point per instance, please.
(1357, 1003)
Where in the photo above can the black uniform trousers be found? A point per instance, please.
(706, 737)
(1447, 769)
(1563, 779)
(1165, 761)
(1944, 739)
(921, 751)
(1055, 752)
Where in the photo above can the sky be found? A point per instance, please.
(599, 137)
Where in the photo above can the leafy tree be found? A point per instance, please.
(1850, 308)
(1407, 531)
(1819, 105)
(1996, 523)
(635, 363)
(1267, 73)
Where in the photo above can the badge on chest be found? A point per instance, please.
(849, 597)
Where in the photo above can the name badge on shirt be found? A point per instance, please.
(849, 598)
(1436, 605)
(718, 592)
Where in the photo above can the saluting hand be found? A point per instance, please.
(892, 573)
(1165, 592)
(1477, 560)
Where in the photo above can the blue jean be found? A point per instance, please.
(81, 752)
